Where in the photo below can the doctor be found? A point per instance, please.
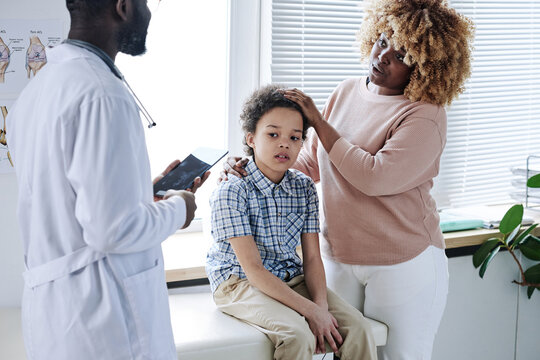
(95, 284)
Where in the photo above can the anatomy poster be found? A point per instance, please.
(6, 163)
(23, 50)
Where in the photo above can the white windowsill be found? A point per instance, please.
(185, 252)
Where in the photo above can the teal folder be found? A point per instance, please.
(450, 222)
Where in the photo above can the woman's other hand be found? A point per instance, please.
(234, 165)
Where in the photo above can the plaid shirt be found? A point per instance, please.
(274, 214)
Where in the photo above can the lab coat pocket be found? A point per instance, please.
(147, 296)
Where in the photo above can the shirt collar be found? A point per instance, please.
(265, 185)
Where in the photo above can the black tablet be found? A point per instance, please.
(182, 176)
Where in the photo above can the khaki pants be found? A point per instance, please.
(287, 329)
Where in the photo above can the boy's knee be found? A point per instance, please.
(299, 340)
(359, 326)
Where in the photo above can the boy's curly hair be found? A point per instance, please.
(259, 103)
(437, 41)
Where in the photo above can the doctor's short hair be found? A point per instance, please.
(87, 8)
(259, 103)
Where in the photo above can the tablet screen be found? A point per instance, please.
(196, 164)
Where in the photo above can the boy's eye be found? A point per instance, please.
(272, 134)
(295, 138)
(400, 57)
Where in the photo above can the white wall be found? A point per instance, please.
(11, 258)
(489, 318)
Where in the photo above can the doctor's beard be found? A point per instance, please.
(131, 39)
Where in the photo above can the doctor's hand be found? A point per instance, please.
(189, 199)
(234, 165)
(169, 168)
(196, 183)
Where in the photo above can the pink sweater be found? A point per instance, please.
(377, 209)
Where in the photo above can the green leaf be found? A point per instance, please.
(484, 266)
(530, 290)
(530, 248)
(481, 254)
(511, 219)
(534, 181)
(524, 234)
(512, 235)
(532, 274)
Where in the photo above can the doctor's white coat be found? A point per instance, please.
(95, 284)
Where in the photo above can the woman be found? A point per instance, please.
(378, 146)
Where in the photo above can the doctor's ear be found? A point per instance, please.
(121, 8)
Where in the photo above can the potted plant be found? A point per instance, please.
(512, 238)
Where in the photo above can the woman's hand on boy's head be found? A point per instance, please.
(234, 165)
(306, 104)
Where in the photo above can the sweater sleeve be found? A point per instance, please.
(307, 159)
(409, 157)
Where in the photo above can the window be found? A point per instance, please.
(182, 81)
(492, 127)
(495, 124)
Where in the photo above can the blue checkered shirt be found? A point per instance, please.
(274, 214)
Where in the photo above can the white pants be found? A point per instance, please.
(409, 297)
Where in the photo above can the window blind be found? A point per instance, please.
(492, 127)
(495, 124)
(313, 45)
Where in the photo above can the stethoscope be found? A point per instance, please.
(108, 61)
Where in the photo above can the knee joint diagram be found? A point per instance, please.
(35, 56)
(3, 140)
(4, 59)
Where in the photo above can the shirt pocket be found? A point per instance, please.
(293, 229)
(148, 300)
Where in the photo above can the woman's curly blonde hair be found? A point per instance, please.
(437, 41)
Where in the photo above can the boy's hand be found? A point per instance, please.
(324, 326)
(234, 165)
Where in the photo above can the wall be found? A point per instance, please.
(489, 318)
(11, 258)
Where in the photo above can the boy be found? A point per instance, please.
(257, 223)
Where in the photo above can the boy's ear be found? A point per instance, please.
(249, 140)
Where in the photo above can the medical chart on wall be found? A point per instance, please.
(23, 50)
(6, 163)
